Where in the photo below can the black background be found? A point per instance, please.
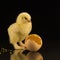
(45, 20)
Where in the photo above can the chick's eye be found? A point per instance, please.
(25, 18)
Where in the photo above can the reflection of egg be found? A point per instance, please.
(34, 56)
(33, 42)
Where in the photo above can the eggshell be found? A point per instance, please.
(33, 42)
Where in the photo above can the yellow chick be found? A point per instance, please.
(20, 29)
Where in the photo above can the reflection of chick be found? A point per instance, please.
(34, 56)
(19, 30)
(17, 55)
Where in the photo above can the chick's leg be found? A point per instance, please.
(21, 39)
(22, 44)
(17, 47)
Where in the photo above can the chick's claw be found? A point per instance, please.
(18, 47)
(21, 43)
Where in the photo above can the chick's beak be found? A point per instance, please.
(29, 20)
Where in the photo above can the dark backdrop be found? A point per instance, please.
(45, 20)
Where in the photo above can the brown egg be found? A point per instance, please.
(33, 42)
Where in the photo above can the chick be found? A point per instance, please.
(19, 30)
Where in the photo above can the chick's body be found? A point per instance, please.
(18, 31)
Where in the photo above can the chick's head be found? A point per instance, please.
(23, 17)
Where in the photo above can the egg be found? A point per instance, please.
(33, 42)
